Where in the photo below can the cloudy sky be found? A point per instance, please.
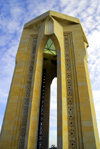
(15, 13)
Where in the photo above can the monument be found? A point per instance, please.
(51, 45)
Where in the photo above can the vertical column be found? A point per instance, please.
(27, 98)
(90, 137)
(59, 102)
(32, 125)
(73, 123)
(85, 120)
(62, 122)
(13, 116)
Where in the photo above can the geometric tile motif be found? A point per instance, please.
(70, 99)
(27, 97)
(41, 114)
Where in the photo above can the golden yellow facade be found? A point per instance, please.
(76, 120)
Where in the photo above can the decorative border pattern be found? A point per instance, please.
(70, 96)
(27, 97)
(41, 115)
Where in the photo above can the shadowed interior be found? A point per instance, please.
(48, 73)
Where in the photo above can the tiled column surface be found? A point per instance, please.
(18, 95)
(89, 137)
(74, 131)
(62, 123)
(31, 140)
(82, 127)
(27, 99)
(59, 102)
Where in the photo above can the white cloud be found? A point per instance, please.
(3, 95)
(94, 58)
(3, 40)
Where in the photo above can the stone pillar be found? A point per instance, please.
(82, 127)
(11, 129)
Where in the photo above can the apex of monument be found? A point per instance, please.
(62, 19)
(54, 14)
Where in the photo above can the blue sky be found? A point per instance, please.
(15, 13)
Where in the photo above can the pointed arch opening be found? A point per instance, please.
(46, 130)
(50, 50)
(50, 47)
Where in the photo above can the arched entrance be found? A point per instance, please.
(49, 71)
